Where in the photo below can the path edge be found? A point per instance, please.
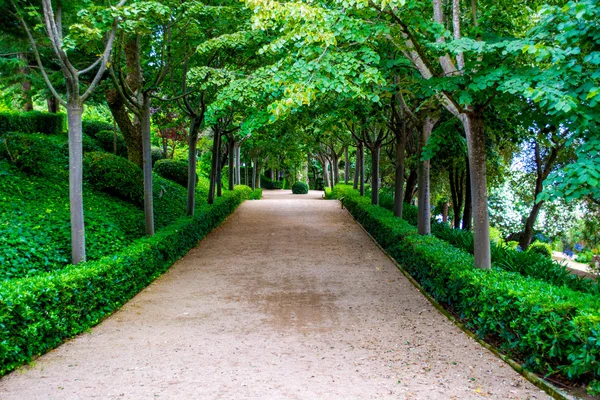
(550, 389)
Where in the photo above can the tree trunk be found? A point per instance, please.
(222, 160)
(346, 165)
(456, 179)
(238, 162)
(325, 172)
(332, 180)
(74, 116)
(191, 183)
(375, 150)
(232, 167)
(254, 174)
(131, 131)
(147, 165)
(468, 213)
(527, 235)
(361, 175)
(26, 83)
(214, 166)
(258, 175)
(356, 169)
(423, 172)
(474, 129)
(399, 179)
(445, 212)
(53, 105)
(411, 183)
(335, 169)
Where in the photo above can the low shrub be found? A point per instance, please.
(92, 127)
(269, 184)
(300, 188)
(106, 140)
(157, 154)
(38, 313)
(35, 154)
(541, 248)
(123, 179)
(174, 170)
(256, 194)
(550, 328)
(32, 122)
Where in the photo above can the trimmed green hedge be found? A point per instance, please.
(174, 170)
(157, 154)
(35, 154)
(92, 127)
(269, 184)
(300, 188)
(550, 328)
(32, 122)
(38, 313)
(106, 140)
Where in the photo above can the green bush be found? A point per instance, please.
(541, 248)
(92, 127)
(38, 313)
(300, 188)
(507, 257)
(106, 140)
(35, 154)
(157, 154)
(31, 122)
(256, 194)
(550, 328)
(269, 184)
(174, 170)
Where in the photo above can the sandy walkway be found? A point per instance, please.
(288, 299)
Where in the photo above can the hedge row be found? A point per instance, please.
(32, 122)
(269, 184)
(38, 313)
(550, 328)
(529, 263)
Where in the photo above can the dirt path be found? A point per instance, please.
(288, 299)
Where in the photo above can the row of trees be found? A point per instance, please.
(444, 88)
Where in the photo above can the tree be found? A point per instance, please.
(74, 101)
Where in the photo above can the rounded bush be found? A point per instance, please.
(540, 248)
(174, 170)
(35, 154)
(106, 140)
(157, 154)
(92, 127)
(300, 188)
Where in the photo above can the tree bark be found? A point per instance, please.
(53, 105)
(456, 179)
(254, 174)
(375, 150)
(399, 178)
(214, 166)
(346, 165)
(74, 116)
(468, 212)
(356, 169)
(147, 165)
(191, 183)
(325, 172)
(131, 130)
(238, 163)
(335, 169)
(361, 175)
(232, 168)
(527, 235)
(26, 83)
(474, 129)
(411, 184)
(423, 173)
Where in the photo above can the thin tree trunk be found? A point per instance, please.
(456, 193)
(346, 165)
(74, 116)
(325, 173)
(232, 168)
(131, 131)
(411, 183)
(356, 169)
(147, 165)
(26, 83)
(53, 104)
(445, 212)
(332, 181)
(254, 174)
(191, 183)
(258, 175)
(361, 175)
(423, 172)
(215, 162)
(399, 179)
(375, 150)
(468, 212)
(527, 235)
(238, 158)
(335, 169)
(474, 129)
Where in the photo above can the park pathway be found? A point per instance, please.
(287, 299)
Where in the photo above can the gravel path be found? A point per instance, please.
(288, 299)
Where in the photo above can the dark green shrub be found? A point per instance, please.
(32, 122)
(38, 313)
(269, 184)
(92, 127)
(123, 179)
(541, 248)
(550, 328)
(157, 154)
(35, 154)
(174, 170)
(106, 140)
(256, 194)
(300, 188)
